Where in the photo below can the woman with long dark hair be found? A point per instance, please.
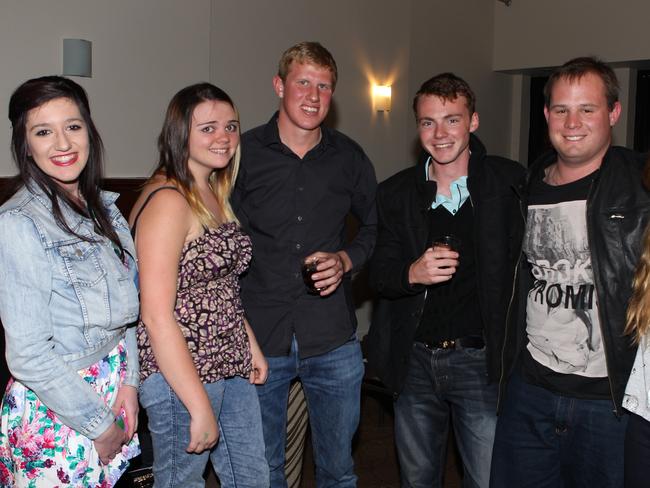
(67, 298)
(199, 358)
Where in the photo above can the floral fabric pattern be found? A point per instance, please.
(208, 307)
(38, 450)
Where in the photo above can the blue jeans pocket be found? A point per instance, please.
(474, 353)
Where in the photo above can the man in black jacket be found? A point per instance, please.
(436, 334)
(567, 359)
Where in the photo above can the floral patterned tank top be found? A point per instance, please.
(208, 307)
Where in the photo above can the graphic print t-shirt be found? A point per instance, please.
(565, 352)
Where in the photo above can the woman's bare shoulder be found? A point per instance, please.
(159, 194)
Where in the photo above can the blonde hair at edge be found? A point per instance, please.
(638, 311)
(222, 182)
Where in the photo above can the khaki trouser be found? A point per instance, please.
(297, 421)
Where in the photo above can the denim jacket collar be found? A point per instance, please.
(74, 219)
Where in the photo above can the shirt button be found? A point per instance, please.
(299, 218)
(298, 247)
(300, 188)
(453, 211)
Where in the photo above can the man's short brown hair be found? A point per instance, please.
(447, 86)
(307, 52)
(575, 69)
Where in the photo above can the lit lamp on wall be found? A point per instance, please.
(77, 57)
(381, 95)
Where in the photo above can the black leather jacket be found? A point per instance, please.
(618, 208)
(402, 203)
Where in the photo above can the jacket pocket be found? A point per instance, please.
(84, 272)
(81, 263)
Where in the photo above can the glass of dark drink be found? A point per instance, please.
(308, 269)
(448, 241)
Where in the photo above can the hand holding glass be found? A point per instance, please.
(447, 242)
(309, 266)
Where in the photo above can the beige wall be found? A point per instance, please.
(369, 40)
(146, 50)
(531, 34)
(457, 36)
(143, 51)
(372, 40)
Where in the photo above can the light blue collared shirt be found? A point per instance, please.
(458, 189)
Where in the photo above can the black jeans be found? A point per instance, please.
(637, 452)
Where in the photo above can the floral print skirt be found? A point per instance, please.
(37, 450)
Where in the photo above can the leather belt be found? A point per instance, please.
(468, 342)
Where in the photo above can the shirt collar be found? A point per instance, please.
(272, 133)
(458, 189)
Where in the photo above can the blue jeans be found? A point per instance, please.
(545, 440)
(332, 386)
(444, 383)
(238, 457)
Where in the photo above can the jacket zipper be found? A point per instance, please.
(427, 225)
(594, 267)
(477, 263)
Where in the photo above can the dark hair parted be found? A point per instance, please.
(447, 86)
(33, 94)
(575, 69)
(308, 52)
(173, 146)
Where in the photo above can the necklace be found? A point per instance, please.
(551, 176)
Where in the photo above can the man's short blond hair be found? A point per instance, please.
(307, 52)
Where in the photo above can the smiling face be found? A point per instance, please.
(214, 137)
(579, 120)
(305, 96)
(57, 141)
(444, 127)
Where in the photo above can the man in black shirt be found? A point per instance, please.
(297, 183)
(567, 359)
(438, 327)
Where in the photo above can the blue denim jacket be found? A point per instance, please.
(64, 304)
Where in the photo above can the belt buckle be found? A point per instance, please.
(447, 344)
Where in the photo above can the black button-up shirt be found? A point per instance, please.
(291, 208)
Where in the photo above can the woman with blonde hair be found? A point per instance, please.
(199, 358)
(637, 392)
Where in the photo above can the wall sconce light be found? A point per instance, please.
(77, 57)
(381, 95)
